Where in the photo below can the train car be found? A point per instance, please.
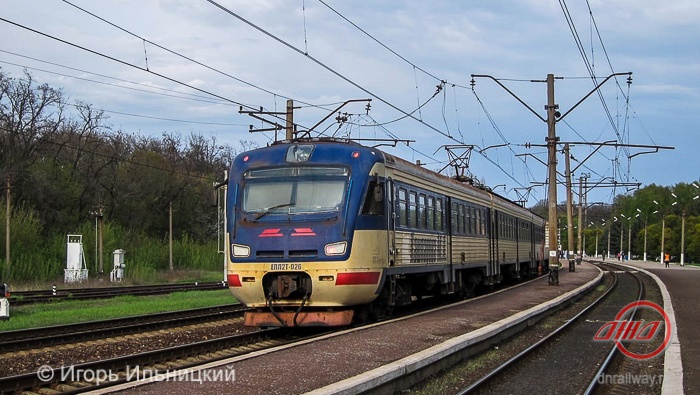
(322, 232)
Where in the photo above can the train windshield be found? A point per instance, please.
(294, 190)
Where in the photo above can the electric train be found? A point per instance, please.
(324, 232)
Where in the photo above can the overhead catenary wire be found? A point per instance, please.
(188, 58)
(351, 82)
(122, 86)
(379, 42)
(189, 96)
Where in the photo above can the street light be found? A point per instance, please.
(646, 222)
(622, 237)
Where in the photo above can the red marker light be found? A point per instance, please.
(245, 158)
(234, 280)
(357, 278)
(303, 232)
(356, 154)
(271, 233)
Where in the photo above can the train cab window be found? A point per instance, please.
(412, 212)
(438, 214)
(403, 212)
(374, 201)
(430, 214)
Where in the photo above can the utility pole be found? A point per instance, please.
(170, 236)
(100, 218)
(289, 130)
(581, 203)
(569, 210)
(552, 162)
(7, 228)
(553, 116)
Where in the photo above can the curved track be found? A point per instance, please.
(567, 354)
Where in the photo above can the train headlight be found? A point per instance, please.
(336, 248)
(240, 251)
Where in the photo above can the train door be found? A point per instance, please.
(493, 235)
(391, 219)
(448, 228)
(518, 245)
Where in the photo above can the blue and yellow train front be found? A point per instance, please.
(295, 256)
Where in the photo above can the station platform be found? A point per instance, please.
(374, 354)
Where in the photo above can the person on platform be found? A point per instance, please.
(667, 258)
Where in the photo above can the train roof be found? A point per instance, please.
(398, 163)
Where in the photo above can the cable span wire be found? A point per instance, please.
(377, 41)
(178, 54)
(121, 86)
(323, 65)
(123, 62)
(108, 77)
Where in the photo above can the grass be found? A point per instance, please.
(73, 311)
(161, 277)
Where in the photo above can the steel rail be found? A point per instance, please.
(152, 362)
(512, 361)
(84, 331)
(28, 297)
(594, 382)
(483, 380)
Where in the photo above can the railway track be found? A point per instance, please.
(567, 354)
(20, 298)
(81, 332)
(101, 374)
(138, 366)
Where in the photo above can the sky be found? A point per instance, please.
(175, 66)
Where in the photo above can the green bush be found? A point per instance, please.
(36, 258)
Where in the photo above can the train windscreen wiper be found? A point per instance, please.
(271, 209)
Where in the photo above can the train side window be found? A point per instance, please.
(478, 222)
(422, 212)
(460, 219)
(402, 207)
(468, 220)
(430, 215)
(454, 217)
(374, 201)
(438, 214)
(412, 212)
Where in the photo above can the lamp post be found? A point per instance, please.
(663, 227)
(646, 221)
(622, 234)
(629, 236)
(609, 229)
(683, 212)
(622, 228)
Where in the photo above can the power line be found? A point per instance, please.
(123, 62)
(108, 77)
(119, 86)
(126, 113)
(377, 41)
(323, 65)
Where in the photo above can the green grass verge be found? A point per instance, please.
(72, 311)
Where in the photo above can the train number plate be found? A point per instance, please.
(285, 266)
